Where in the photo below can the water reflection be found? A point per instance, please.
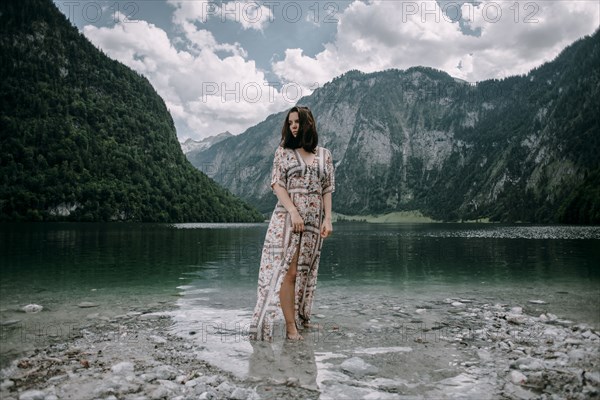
(286, 361)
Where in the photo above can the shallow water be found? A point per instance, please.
(382, 295)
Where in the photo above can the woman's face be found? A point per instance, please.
(294, 123)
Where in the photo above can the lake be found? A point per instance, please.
(378, 284)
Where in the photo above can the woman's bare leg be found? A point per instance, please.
(286, 297)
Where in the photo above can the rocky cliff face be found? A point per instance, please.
(192, 146)
(519, 149)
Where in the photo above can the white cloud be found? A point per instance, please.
(206, 94)
(391, 34)
(249, 14)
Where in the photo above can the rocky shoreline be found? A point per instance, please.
(131, 356)
(507, 352)
(528, 356)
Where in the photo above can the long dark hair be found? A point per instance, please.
(307, 137)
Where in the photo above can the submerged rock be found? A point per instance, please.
(358, 367)
(87, 304)
(122, 368)
(32, 308)
(32, 395)
(517, 378)
(537, 302)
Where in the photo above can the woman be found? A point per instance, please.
(303, 181)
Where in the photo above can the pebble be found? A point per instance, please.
(87, 304)
(32, 395)
(150, 316)
(516, 318)
(528, 363)
(213, 380)
(169, 385)
(165, 372)
(160, 392)
(592, 377)
(225, 388)
(9, 322)
(6, 384)
(358, 367)
(516, 310)
(32, 308)
(122, 368)
(517, 378)
(537, 302)
(239, 394)
(157, 339)
(576, 355)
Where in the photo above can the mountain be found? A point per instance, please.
(85, 138)
(524, 148)
(191, 145)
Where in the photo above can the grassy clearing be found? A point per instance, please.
(394, 217)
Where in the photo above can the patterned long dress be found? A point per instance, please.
(306, 185)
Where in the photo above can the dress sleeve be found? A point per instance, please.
(279, 173)
(329, 179)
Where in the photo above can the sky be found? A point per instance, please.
(227, 65)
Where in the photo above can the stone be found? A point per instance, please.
(358, 367)
(87, 304)
(576, 355)
(6, 384)
(32, 308)
(32, 395)
(150, 316)
(239, 394)
(528, 363)
(169, 385)
(165, 372)
(117, 385)
(516, 318)
(537, 302)
(148, 377)
(160, 392)
(536, 380)
(9, 322)
(517, 392)
(213, 380)
(484, 355)
(517, 378)
(593, 377)
(225, 387)
(122, 368)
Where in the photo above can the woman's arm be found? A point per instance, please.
(327, 205)
(326, 227)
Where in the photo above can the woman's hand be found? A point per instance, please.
(326, 227)
(297, 221)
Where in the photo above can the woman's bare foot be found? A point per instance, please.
(291, 332)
